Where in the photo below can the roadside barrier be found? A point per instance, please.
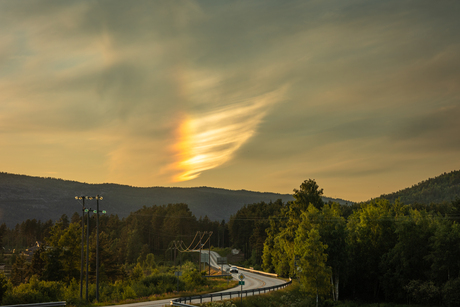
(255, 271)
(222, 295)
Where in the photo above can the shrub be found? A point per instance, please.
(35, 292)
(219, 304)
(451, 293)
(128, 293)
(426, 293)
(193, 278)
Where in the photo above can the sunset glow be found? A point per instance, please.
(361, 96)
(209, 140)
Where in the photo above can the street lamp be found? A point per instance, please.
(87, 211)
(82, 198)
(87, 248)
(97, 243)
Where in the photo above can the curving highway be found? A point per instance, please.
(252, 281)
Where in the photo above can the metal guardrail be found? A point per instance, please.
(49, 304)
(221, 275)
(221, 295)
(256, 271)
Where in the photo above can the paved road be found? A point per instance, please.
(252, 281)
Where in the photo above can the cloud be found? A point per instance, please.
(208, 140)
(215, 91)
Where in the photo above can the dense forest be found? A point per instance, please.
(443, 188)
(38, 253)
(377, 251)
(373, 251)
(147, 230)
(25, 197)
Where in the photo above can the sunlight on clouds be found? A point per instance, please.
(208, 140)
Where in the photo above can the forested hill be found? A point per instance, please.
(443, 188)
(25, 197)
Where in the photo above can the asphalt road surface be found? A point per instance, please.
(252, 281)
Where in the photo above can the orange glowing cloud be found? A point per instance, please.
(208, 140)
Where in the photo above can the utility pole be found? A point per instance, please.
(97, 248)
(209, 255)
(175, 249)
(82, 198)
(87, 211)
(209, 252)
(199, 268)
(97, 244)
(87, 250)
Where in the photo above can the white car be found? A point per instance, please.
(233, 269)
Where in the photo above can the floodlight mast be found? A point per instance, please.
(82, 198)
(97, 245)
(87, 211)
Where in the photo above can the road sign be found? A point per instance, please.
(241, 276)
(241, 283)
(178, 273)
(221, 260)
(204, 257)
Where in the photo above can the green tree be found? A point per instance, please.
(309, 193)
(445, 251)
(3, 286)
(53, 267)
(37, 264)
(313, 272)
(143, 254)
(371, 235)
(19, 271)
(108, 267)
(70, 244)
(407, 260)
(137, 273)
(332, 228)
(62, 257)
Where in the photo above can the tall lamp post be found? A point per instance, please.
(97, 243)
(87, 211)
(87, 249)
(82, 198)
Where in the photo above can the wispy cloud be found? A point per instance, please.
(205, 141)
(146, 92)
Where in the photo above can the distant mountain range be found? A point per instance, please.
(443, 188)
(25, 197)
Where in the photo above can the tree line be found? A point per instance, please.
(443, 188)
(372, 251)
(378, 250)
(122, 242)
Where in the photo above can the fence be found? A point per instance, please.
(222, 295)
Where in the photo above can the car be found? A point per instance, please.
(233, 269)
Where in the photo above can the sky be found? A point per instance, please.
(362, 96)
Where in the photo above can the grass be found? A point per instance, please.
(215, 284)
(223, 252)
(292, 296)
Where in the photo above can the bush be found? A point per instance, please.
(219, 304)
(426, 293)
(128, 293)
(72, 293)
(3, 286)
(451, 293)
(193, 279)
(35, 292)
(137, 273)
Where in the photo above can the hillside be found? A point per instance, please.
(443, 188)
(24, 197)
